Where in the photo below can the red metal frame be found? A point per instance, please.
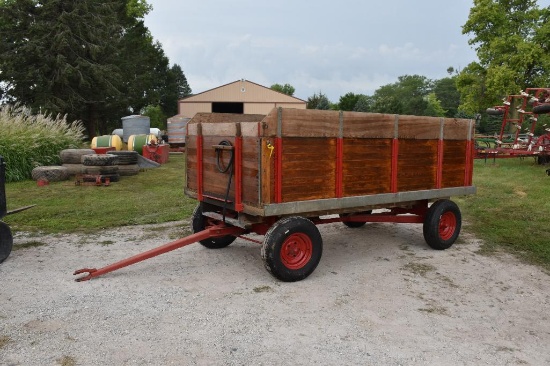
(278, 170)
(339, 167)
(211, 232)
(394, 165)
(238, 161)
(199, 168)
(439, 169)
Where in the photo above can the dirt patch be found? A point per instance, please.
(379, 296)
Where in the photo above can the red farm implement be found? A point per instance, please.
(517, 138)
(282, 174)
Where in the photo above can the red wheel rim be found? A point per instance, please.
(296, 251)
(447, 225)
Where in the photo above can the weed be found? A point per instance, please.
(29, 244)
(419, 268)
(4, 340)
(67, 361)
(263, 289)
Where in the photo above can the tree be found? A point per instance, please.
(285, 89)
(318, 101)
(364, 104)
(58, 56)
(511, 42)
(448, 95)
(434, 107)
(348, 101)
(406, 96)
(94, 60)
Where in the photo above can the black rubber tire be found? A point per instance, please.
(50, 173)
(102, 170)
(126, 157)
(543, 159)
(548, 172)
(99, 160)
(292, 249)
(355, 224)
(128, 170)
(495, 111)
(75, 169)
(442, 224)
(6, 241)
(200, 222)
(74, 156)
(541, 109)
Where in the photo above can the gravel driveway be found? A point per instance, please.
(379, 296)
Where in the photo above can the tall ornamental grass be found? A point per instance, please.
(29, 140)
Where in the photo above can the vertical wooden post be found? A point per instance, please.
(469, 164)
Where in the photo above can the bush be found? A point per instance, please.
(28, 141)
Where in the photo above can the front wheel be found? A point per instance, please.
(200, 222)
(442, 224)
(292, 249)
(6, 241)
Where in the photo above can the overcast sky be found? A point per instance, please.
(330, 46)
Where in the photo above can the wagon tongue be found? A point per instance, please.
(211, 232)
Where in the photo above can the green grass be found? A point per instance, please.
(152, 196)
(511, 210)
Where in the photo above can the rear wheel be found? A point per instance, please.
(442, 224)
(199, 222)
(292, 249)
(355, 224)
(6, 241)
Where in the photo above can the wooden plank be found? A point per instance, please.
(418, 128)
(310, 123)
(369, 125)
(457, 129)
(417, 165)
(267, 170)
(225, 117)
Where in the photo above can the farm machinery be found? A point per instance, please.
(517, 138)
(6, 238)
(282, 174)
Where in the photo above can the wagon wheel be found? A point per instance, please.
(442, 224)
(200, 222)
(292, 249)
(6, 241)
(355, 224)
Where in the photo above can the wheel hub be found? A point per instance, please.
(447, 225)
(296, 251)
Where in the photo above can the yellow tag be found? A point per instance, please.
(271, 148)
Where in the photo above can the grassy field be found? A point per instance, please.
(511, 210)
(152, 196)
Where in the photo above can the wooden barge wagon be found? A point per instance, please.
(281, 174)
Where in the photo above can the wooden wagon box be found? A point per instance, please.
(312, 162)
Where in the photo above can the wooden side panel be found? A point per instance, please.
(308, 169)
(417, 165)
(454, 163)
(366, 166)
